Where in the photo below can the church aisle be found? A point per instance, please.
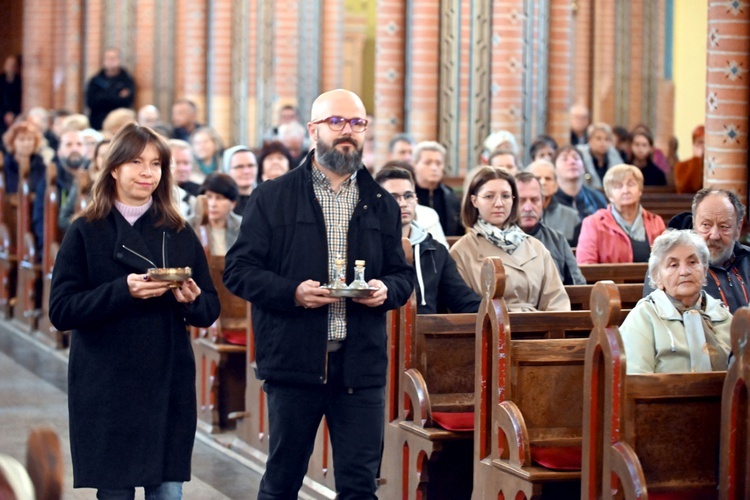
(33, 380)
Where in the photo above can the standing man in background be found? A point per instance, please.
(109, 89)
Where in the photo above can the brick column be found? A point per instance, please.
(59, 28)
(603, 63)
(37, 56)
(727, 96)
(220, 69)
(70, 66)
(583, 55)
(93, 41)
(253, 134)
(190, 54)
(507, 66)
(286, 39)
(389, 74)
(561, 75)
(424, 52)
(145, 48)
(331, 42)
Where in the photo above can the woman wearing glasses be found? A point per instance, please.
(131, 384)
(490, 211)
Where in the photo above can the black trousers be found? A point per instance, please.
(355, 422)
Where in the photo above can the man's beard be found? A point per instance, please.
(336, 161)
(73, 162)
(721, 253)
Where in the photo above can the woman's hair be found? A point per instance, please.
(600, 127)
(469, 213)
(269, 148)
(116, 119)
(222, 184)
(17, 129)
(645, 135)
(76, 121)
(85, 175)
(127, 145)
(213, 134)
(541, 142)
(666, 242)
(618, 173)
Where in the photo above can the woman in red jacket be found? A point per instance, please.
(624, 231)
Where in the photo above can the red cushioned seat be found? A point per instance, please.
(236, 337)
(457, 422)
(557, 457)
(705, 493)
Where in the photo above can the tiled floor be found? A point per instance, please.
(33, 380)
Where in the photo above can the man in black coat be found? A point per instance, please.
(109, 89)
(320, 355)
(440, 288)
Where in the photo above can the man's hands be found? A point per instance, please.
(378, 296)
(309, 295)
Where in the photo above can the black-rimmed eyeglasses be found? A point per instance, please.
(337, 123)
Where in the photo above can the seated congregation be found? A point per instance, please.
(493, 360)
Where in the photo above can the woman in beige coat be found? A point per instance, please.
(490, 211)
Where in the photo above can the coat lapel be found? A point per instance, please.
(131, 249)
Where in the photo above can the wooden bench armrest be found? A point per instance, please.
(626, 466)
(415, 390)
(512, 429)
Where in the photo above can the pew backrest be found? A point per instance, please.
(619, 273)
(655, 432)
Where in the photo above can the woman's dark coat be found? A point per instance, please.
(131, 375)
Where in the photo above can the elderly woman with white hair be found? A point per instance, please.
(678, 327)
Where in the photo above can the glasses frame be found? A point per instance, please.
(350, 121)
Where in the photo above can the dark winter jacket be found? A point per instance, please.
(440, 289)
(282, 243)
(131, 374)
(10, 170)
(445, 202)
(561, 253)
(103, 95)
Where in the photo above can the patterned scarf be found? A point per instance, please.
(506, 239)
(706, 354)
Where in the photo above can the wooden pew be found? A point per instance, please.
(220, 378)
(49, 253)
(29, 283)
(735, 417)
(8, 256)
(44, 463)
(436, 354)
(619, 273)
(665, 202)
(528, 406)
(655, 434)
(580, 295)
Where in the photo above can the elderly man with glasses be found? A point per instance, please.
(321, 355)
